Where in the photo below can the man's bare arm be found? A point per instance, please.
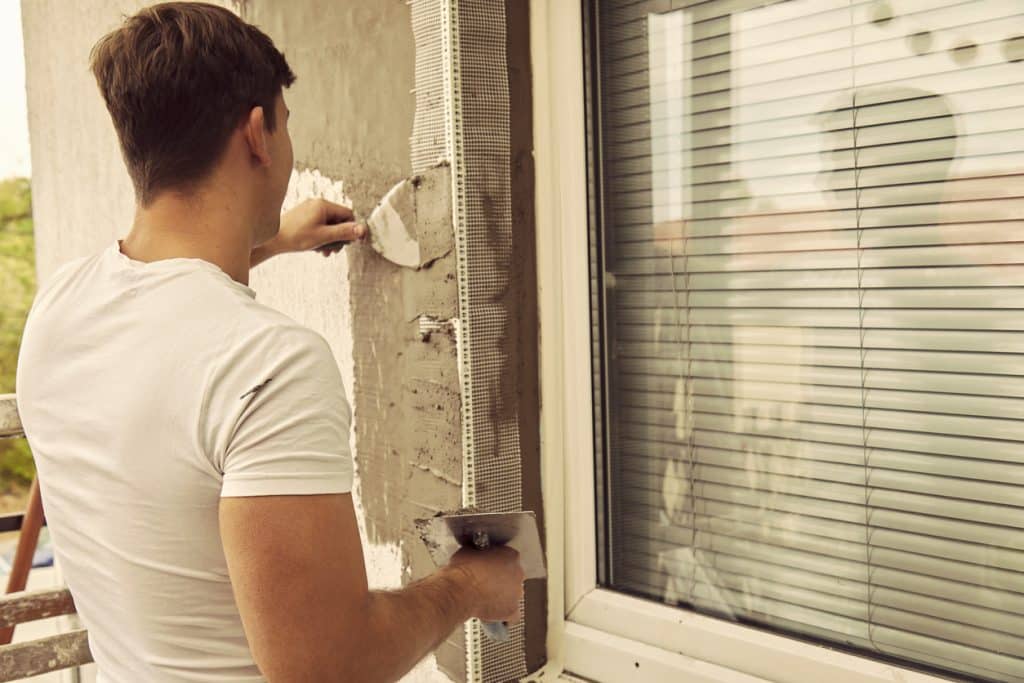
(296, 564)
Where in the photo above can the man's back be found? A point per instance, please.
(148, 391)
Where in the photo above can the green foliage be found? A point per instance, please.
(17, 468)
(17, 287)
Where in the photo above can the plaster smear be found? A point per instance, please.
(407, 401)
(383, 561)
(388, 232)
(286, 283)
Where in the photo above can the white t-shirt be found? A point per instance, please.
(148, 391)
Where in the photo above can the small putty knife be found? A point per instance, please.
(422, 200)
(445, 535)
(390, 225)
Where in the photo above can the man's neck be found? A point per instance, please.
(210, 226)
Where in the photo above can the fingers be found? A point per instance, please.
(341, 234)
(347, 232)
(336, 213)
(337, 236)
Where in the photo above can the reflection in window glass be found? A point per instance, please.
(811, 276)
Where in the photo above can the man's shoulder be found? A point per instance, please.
(265, 331)
(64, 273)
(57, 291)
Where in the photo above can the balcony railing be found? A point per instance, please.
(31, 658)
(10, 427)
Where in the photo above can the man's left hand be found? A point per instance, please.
(314, 224)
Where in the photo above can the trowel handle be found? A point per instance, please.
(341, 243)
(331, 245)
(495, 630)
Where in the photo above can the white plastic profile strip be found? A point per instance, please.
(450, 62)
(456, 155)
(477, 157)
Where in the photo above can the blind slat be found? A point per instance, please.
(920, 277)
(848, 465)
(648, 391)
(933, 497)
(912, 441)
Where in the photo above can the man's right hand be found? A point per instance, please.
(297, 569)
(495, 578)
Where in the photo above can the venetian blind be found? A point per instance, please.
(811, 276)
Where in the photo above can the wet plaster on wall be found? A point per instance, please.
(351, 107)
(352, 111)
(407, 401)
(285, 283)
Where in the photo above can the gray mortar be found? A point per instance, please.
(352, 111)
(351, 105)
(433, 208)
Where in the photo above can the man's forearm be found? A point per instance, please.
(261, 253)
(404, 626)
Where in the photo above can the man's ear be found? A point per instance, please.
(255, 132)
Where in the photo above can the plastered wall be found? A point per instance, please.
(352, 112)
(82, 197)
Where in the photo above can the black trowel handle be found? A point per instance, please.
(333, 245)
(495, 630)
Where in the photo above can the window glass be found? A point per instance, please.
(808, 273)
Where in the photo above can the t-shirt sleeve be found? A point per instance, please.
(277, 417)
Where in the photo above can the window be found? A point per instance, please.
(807, 272)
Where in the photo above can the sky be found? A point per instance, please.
(14, 152)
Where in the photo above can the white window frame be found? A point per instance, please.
(594, 633)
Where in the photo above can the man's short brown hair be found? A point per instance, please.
(177, 78)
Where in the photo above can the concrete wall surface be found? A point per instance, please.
(352, 112)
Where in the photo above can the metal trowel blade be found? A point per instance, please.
(389, 226)
(446, 534)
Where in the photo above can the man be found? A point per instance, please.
(191, 442)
